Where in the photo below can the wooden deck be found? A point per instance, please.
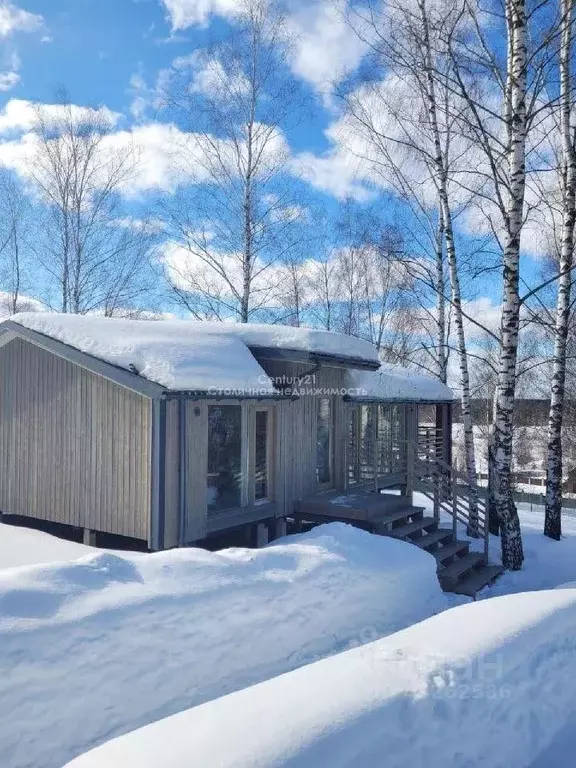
(459, 570)
(354, 506)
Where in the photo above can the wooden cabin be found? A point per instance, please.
(174, 431)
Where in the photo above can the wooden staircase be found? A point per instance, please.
(459, 570)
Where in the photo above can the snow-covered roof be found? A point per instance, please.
(192, 355)
(178, 355)
(391, 383)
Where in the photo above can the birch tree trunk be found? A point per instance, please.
(553, 518)
(493, 524)
(441, 179)
(442, 357)
(511, 539)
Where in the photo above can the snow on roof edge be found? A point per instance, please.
(219, 359)
(175, 358)
(394, 384)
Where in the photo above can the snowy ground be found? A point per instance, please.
(489, 684)
(24, 546)
(94, 644)
(93, 648)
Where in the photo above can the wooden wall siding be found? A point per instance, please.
(172, 479)
(196, 517)
(74, 447)
(296, 436)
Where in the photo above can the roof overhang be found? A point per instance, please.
(316, 358)
(193, 394)
(10, 330)
(400, 400)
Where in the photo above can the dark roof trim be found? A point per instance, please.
(321, 358)
(10, 330)
(400, 400)
(226, 395)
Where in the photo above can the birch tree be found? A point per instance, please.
(517, 127)
(439, 283)
(403, 43)
(15, 223)
(503, 101)
(244, 214)
(93, 254)
(554, 469)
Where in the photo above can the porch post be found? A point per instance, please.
(183, 461)
(411, 435)
(375, 446)
(346, 414)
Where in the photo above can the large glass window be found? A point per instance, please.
(324, 441)
(261, 456)
(224, 457)
(390, 448)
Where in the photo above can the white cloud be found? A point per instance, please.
(186, 13)
(486, 312)
(13, 19)
(205, 74)
(9, 66)
(19, 115)
(143, 97)
(211, 78)
(162, 162)
(9, 80)
(149, 226)
(326, 47)
(337, 172)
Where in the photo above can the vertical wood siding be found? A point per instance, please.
(296, 442)
(74, 446)
(172, 469)
(196, 470)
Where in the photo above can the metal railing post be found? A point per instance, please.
(455, 507)
(410, 458)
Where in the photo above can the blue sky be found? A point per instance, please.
(111, 52)
(95, 47)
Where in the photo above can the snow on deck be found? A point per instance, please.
(391, 383)
(94, 648)
(486, 684)
(191, 355)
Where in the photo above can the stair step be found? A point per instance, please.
(433, 539)
(452, 573)
(459, 548)
(387, 518)
(426, 524)
(477, 580)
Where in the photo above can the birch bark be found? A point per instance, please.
(553, 517)
(515, 110)
(441, 179)
(442, 357)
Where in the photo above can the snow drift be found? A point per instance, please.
(489, 683)
(25, 546)
(97, 647)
